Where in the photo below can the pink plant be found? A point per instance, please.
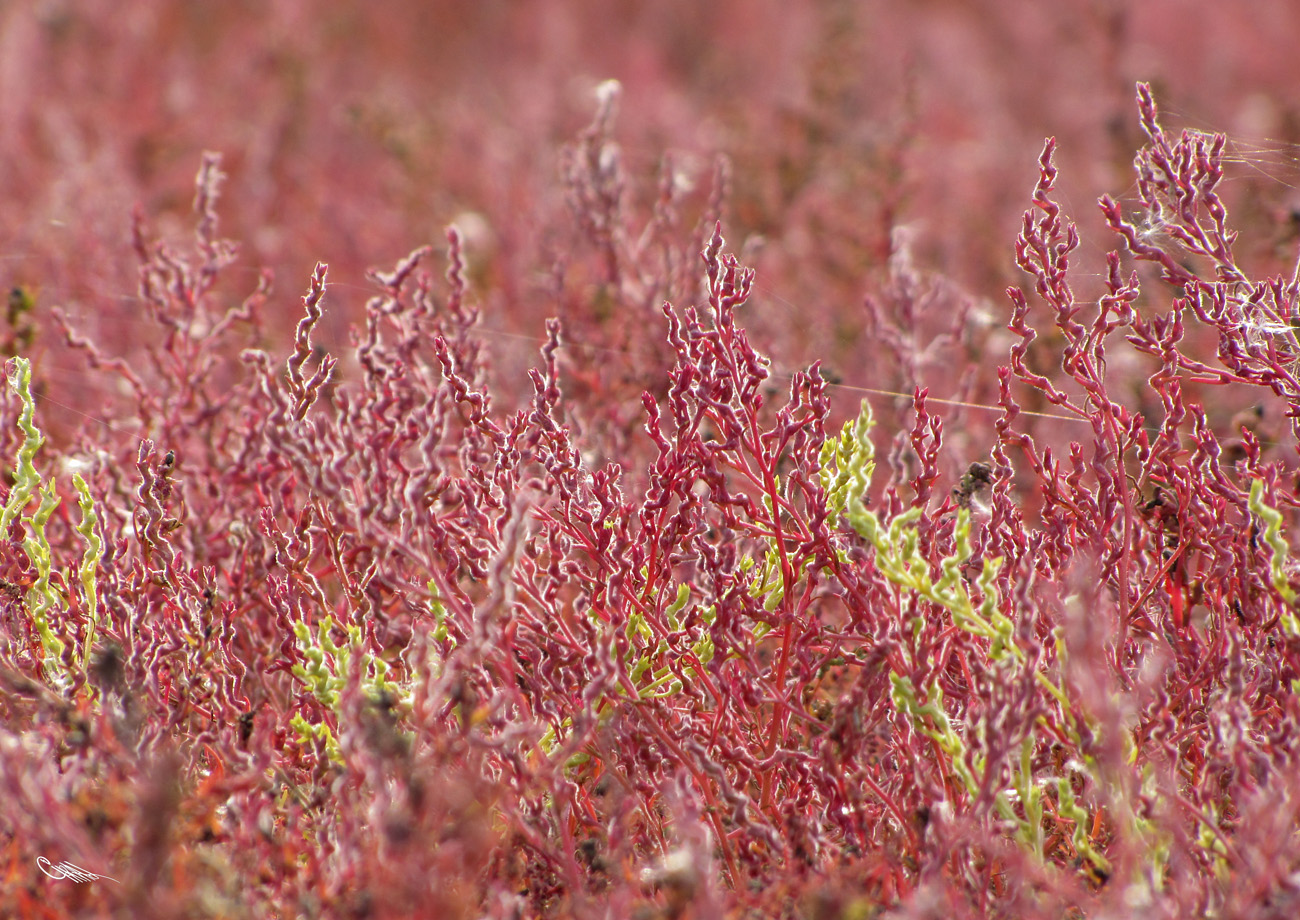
(343, 635)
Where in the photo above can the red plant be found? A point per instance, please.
(338, 635)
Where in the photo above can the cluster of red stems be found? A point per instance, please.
(358, 643)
